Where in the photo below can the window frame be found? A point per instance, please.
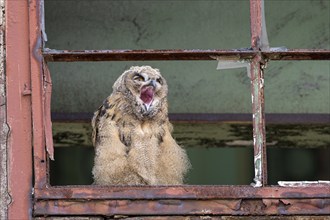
(164, 200)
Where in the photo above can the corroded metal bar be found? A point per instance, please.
(192, 217)
(183, 207)
(183, 192)
(128, 55)
(257, 93)
(259, 126)
(301, 54)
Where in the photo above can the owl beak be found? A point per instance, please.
(152, 83)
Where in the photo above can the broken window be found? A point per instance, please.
(218, 199)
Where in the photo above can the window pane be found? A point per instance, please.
(72, 166)
(147, 24)
(297, 87)
(220, 153)
(298, 24)
(194, 86)
(300, 90)
(294, 164)
(221, 166)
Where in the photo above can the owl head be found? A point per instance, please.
(145, 90)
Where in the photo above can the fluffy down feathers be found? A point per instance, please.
(132, 134)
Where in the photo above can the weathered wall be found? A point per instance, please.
(195, 86)
(4, 201)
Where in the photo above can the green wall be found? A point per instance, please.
(194, 86)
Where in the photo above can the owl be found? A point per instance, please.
(132, 134)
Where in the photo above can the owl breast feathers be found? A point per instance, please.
(132, 134)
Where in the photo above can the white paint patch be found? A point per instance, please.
(257, 170)
(303, 183)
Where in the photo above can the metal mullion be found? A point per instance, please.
(257, 95)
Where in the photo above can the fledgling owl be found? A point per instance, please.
(132, 134)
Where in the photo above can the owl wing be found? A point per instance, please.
(95, 124)
(110, 164)
(101, 115)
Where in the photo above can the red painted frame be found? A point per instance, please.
(26, 83)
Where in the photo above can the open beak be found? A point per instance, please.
(147, 94)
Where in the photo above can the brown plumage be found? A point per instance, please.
(132, 133)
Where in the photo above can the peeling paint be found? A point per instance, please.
(258, 37)
(257, 171)
(47, 94)
(234, 207)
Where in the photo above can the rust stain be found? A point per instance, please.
(125, 55)
(52, 55)
(182, 192)
(302, 54)
(234, 207)
(257, 95)
(256, 23)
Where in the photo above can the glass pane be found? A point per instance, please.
(211, 166)
(194, 87)
(72, 166)
(293, 164)
(147, 24)
(299, 146)
(298, 24)
(220, 153)
(297, 87)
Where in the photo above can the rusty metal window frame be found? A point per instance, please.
(165, 200)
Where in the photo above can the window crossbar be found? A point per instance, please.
(52, 55)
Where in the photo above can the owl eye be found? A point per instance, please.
(160, 81)
(138, 77)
